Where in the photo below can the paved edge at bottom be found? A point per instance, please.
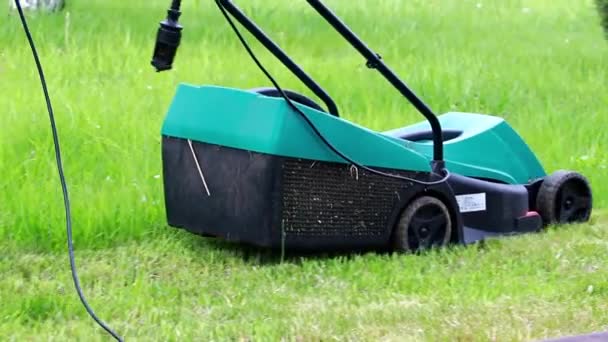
(593, 337)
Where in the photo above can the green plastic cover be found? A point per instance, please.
(487, 148)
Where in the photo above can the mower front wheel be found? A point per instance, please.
(564, 197)
(425, 223)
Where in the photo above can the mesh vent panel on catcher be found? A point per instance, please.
(333, 199)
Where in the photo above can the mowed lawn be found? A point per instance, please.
(540, 64)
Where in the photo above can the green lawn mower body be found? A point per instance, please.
(476, 145)
(243, 166)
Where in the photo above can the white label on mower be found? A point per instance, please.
(471, 202)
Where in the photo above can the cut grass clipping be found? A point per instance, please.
(541, 66)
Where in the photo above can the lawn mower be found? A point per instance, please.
(273, 168)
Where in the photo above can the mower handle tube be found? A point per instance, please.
(280, 54)
(374, 61)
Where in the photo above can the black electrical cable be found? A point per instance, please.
(66, 200)
(314, 128)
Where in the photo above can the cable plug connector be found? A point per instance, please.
(167, 39)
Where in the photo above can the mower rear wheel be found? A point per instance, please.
(424, 224)
(292, 95)
(564, 197)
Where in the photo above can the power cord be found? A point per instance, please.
(66, 200)
(310, 123)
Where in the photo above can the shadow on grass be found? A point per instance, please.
(205, 248)
(261, 256)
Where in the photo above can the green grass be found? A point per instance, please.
(540, 64)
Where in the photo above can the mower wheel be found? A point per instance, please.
(564, 197)
(292, 95)
(424, 224)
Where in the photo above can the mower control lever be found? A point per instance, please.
(372, 64)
